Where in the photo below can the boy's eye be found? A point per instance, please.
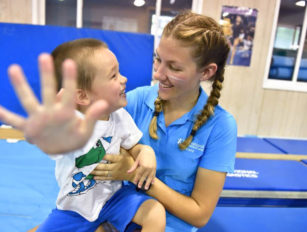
(114, 75)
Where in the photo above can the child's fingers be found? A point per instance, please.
(11, 119)
(22, 88)
(69, 70)
(138, 175)
(143, 178)
(48, 89)
(150, 178)
(134, 166)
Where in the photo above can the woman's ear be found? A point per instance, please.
(208, 72)
(82, 97)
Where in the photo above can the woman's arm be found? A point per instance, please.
(197, 209)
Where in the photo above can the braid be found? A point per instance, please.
(208, 110)
(208, 46)
(153, 123)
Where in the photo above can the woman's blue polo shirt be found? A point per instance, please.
(213, 147)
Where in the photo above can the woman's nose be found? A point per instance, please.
(159, 72)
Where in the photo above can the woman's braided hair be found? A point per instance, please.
(209, 45)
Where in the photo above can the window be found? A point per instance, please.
(141, 16)
(117, 15)
(61, 13)
(288, 62)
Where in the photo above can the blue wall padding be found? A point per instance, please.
(22, 44)
(256, 145)
(289, 146)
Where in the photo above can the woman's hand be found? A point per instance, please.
(116, 169)
(53, 124)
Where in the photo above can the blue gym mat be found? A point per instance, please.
(267, 175)
(257, 219)
(272, 176)
(28, 187)
(28, 191)
(256, 145)
(289, 146)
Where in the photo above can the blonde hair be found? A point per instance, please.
(209, 45)
(81, 52)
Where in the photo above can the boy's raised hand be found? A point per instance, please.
(53, 124)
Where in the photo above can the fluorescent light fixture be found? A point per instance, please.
(301, 3)
(139, 3)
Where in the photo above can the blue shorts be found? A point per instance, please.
(119, 211)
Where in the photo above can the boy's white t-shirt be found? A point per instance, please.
(88, 196)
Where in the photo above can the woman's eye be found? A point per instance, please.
(175, 69)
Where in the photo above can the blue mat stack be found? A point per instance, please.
(264, 194)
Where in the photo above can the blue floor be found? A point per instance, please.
(28, 192)
(256, 219)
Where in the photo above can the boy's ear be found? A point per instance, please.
(208, 72)
(82, 97)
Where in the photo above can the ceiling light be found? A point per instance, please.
(139, 3)
(301, 3)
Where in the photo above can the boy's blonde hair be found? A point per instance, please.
(81, 52)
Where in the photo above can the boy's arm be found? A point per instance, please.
(145, 165)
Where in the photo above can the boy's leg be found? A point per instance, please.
(151, 216)
(123, 206)
(66, 221)
(100, 229)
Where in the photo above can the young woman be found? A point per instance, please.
(193, 137)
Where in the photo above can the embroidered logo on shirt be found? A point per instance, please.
(193, 146)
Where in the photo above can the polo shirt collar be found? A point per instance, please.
(190, 116)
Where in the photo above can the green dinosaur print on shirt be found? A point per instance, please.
(95, 155)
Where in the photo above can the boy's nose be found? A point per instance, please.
(123, 79)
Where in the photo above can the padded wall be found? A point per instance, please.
(22, 44)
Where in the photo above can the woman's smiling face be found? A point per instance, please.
(178, 75)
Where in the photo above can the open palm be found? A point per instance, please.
(53, 124)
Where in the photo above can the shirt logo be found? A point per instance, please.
(244, 174)
(193, 146)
